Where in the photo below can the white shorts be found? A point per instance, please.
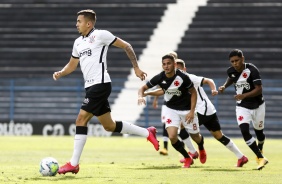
(163, 114)
(175, 117)
(256, 116)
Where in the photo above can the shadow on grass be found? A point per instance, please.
(164, 167)
(56, 178)
(224, 170)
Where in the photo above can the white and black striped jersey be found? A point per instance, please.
(204, 105)
(176, 94)
(245, 82)
(92, 53)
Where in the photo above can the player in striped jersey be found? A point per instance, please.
(90, 51)
(249, 99)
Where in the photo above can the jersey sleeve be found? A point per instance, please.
(107, 37)
(197, 80)
(188, 83)
(74, 50)
(154, 81)
(255, 75)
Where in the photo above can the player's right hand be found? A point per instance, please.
(141, 101)
(57, 75)
(221, 89)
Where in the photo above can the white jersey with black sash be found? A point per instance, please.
(92, 53)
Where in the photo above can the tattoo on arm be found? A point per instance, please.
(131, 55)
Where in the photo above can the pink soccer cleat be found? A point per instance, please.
(188, 162)
(68, 168)
(203, 156)
(194, 156)
(152, 137)
(242, 161)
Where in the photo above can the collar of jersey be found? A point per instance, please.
(89, 33)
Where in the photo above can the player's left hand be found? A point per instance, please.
(139, 73)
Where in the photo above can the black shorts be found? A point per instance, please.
(96, 99)
(210, 122)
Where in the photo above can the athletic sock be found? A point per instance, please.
(253, 145)
(129, 128)
(79, 142)
(201, 144)
(166, 144)
(260, 145)
(231, 146)
(184, 135)
(178, 146)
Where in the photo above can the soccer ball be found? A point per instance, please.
(49, 166)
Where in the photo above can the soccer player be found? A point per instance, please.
(90, 50)
(183, 133)
(180, 102)
(250, 103)
(207, 113)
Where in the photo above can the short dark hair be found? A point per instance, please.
(168, 56)
(236, 52)
(89, 14)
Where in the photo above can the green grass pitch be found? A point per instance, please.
(133, 160)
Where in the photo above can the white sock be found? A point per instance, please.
(232, 147)
(129, 128)
(165, 139)
(79, 142)
(189, 145)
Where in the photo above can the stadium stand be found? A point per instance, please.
(253, 26)
(37, 40)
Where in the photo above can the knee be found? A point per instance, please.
(173, 138)
(81, 121)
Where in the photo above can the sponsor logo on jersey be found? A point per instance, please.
(87, 52)
(245, 85)
(177, 93)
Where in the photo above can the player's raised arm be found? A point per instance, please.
(132, 57)
(69, 68)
